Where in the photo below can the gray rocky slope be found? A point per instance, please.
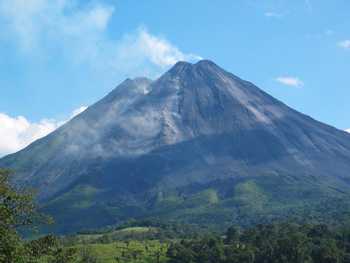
(195, 128)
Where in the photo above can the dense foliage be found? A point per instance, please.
(17, 211)
(270, 243)
(147, 229)
(150, 241)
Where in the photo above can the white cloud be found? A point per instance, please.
(348, 130)
(344, 44)
(325, 33)
(273, 14)
(34, 21)
(160, 51)
(309, 5)
(290, 81)
(80, 33)
(78, 111)
(157, 50)
(18, 132)
(329, 32)
(75, 32)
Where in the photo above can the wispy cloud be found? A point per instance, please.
(345, 44)
(79, 31)
(33, 22)
(325, 34)
(159, 50)
(329, 32)
(77, 111)
(290, 81)
(142, 47)
(273, 14)
(309, 5)
(18, 132)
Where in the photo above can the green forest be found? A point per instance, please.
(150, 241)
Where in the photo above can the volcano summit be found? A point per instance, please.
(198, 145)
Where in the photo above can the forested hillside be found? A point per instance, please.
(153, 241)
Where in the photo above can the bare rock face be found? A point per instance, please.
(150, 146)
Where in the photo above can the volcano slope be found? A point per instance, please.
(197, 145)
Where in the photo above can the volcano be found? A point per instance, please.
(197, 145)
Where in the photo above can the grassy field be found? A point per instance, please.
(129, 233)
(145, 251)
(131, 252)
(119, 252)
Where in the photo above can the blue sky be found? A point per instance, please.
(59, 56)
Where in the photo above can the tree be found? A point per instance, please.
(239, 253)
(87, 256)
(232, 235)
(328, 252)
(181, 253)
(16, 210)
(46, 245)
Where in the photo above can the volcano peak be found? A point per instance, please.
(197, 128)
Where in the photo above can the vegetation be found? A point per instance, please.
(153, 241)
(245, 202)
(267, 243)
(17, 211)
